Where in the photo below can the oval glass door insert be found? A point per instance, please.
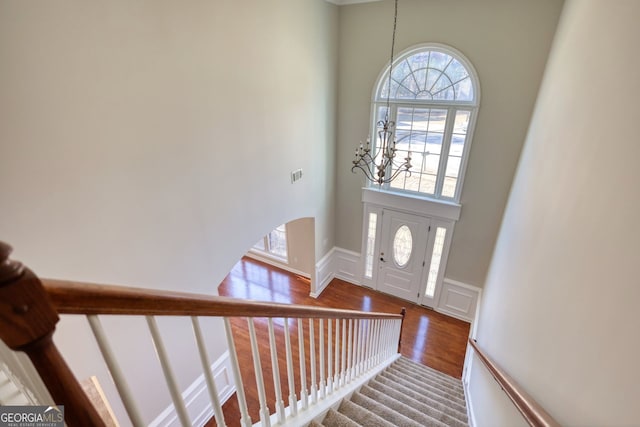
(402, 246)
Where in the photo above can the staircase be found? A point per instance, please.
(404, 394)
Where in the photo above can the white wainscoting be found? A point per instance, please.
(458, 300)
(347, 265)
(324, 274)
(337, 263)
(196, 396)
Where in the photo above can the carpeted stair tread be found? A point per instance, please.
(432, 375)
(432, 382)
(402, 408)
(440, 414)
(362, 416)
(405, 394)
(419, 384)
(405, 361)
(380, 409)
(315, 424)
(435, 401)
(430, 372)
(426, 383)
(336, 419)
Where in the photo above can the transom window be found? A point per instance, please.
(433, 99)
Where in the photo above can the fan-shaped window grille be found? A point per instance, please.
(433, 99)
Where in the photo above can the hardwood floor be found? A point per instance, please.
(428, 337)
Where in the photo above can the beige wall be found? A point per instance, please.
(559, 310)
(507, 41)
(300, 240)
(150, 143)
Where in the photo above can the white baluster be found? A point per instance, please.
(358, 350)
(350, 352)
(354, 361)
(376, 342)
(336, 378)
(393, 344)
(379, 341)
(312, 353)
(206, 367)
(116, 373)
(161, 351)
(365, 344)
(372, 344)
(323, 384)
(304, 395)
(276, 374)
(329, 356)
(385, 345)
(381, 355)
(257, 367)
(369, 343)
(343, 363)
(387, 324)
(245, 419)
(293, 400)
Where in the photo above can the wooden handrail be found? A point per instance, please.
(87, 298)
(531, 410)
(27, 322)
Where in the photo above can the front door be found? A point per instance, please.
(402, 254)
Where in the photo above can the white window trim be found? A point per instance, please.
(412, 203)
(269, 255)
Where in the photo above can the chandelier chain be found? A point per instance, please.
(393, 44)
(377, 161)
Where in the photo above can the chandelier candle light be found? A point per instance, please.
(376, 167)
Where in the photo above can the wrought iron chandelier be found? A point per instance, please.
(381, 167)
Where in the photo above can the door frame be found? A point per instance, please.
(441, 214)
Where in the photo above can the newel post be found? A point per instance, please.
(403, 312)
(27, 322)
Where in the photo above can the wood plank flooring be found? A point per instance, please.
(428, 337)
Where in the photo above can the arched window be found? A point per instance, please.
(433, 99)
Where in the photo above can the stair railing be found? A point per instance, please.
(356, 343)
(533, 413)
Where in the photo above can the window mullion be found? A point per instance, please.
(444, 152)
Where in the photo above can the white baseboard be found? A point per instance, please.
(459, 300)
(470, 414)
(473, 333)
(324, 273)
(196, 396)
